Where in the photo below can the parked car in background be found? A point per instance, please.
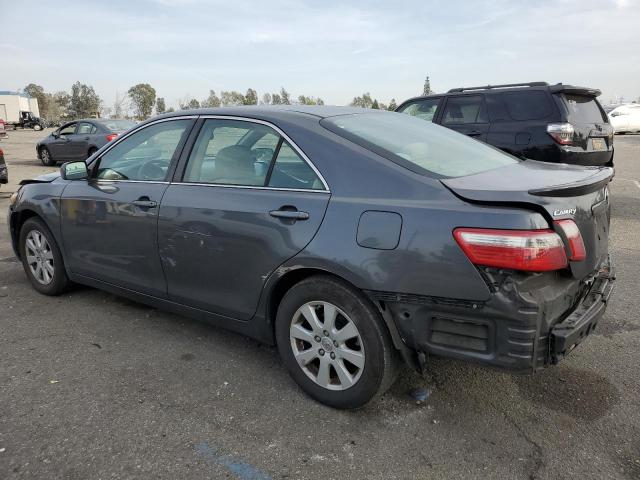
(625, 118)
(3, 129)
(4, 173)
(79, 139)
(347, 237)
(552, 123)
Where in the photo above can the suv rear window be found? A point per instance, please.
(583, 109)
(530, 105)
(420, 146)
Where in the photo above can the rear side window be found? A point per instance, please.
(467, 109)
(530, 105)
(424, 109)
(583, 109)
(291, 171)
(422, 147)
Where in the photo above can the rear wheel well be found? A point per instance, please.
(295, 276)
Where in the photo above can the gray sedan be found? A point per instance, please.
(79, 139)
(349, 238)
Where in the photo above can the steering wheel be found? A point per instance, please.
(152, 170)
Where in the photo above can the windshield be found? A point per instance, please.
(418, 145)
(118, 125)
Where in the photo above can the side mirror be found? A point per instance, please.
(55, 134)
(74, 171)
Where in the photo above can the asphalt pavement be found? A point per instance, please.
(93, 386)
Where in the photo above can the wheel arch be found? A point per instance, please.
(16, 221)
(294, 276)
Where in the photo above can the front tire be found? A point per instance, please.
(41, 258)
(334, 343)
(37, 127)
(46, 158)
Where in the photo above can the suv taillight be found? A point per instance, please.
(562, 133)
(577, 252)
(529, 250)
(111, 136)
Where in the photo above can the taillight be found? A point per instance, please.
(111, 136)
(571, 231)
(562, 133)
(530, 250)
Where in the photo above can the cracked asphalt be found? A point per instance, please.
(93, 386)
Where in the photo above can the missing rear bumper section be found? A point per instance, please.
(530, 321)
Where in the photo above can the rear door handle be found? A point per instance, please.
(144, 202)
(474, 133)
(289, 214)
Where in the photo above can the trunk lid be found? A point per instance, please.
(558, 191)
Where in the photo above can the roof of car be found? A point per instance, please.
(276, 111)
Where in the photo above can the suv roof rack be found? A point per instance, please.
(506, 85)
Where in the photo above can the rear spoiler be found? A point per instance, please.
(589, 92)
(591, 184)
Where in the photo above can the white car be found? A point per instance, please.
(625, 118)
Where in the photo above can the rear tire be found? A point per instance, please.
(41, 258)
(343, 357)
(46, 158)
(37, 127)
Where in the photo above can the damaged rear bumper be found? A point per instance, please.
(530, 321)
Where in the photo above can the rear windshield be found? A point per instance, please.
(420, 146)
(583, 109)
(118, 125)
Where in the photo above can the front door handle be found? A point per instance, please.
(474, 133)
(144, 202)
(289, 214)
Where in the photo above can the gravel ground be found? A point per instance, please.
(95, 386)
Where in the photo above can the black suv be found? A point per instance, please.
(552, 123)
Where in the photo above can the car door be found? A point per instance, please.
(244, 201)
(81, 139)
(109, 222)
(59, 146)
(466, 114)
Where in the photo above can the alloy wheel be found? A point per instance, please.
(44, 155)
(327, 346)
(39, 257)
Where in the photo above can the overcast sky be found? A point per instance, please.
(329, 48)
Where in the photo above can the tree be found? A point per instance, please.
(120, 105)
(251, 97)
(84, 102)
(375, 105)
(37, 92)
(276, 99)
(193, 104)
(266, 99)
(232, 98)
(170, 109)
(212, 100)
(304, 100)
(143, 97)
(426, 90)
(364, 101)
(284, 95)
(161, 107)
(392, 104)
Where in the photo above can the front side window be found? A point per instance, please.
(465, 109)
(234, 152)
(144, 155)
(68, 129)
(424, 109)
(420, 146)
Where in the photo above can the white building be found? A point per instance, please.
(12, 103)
